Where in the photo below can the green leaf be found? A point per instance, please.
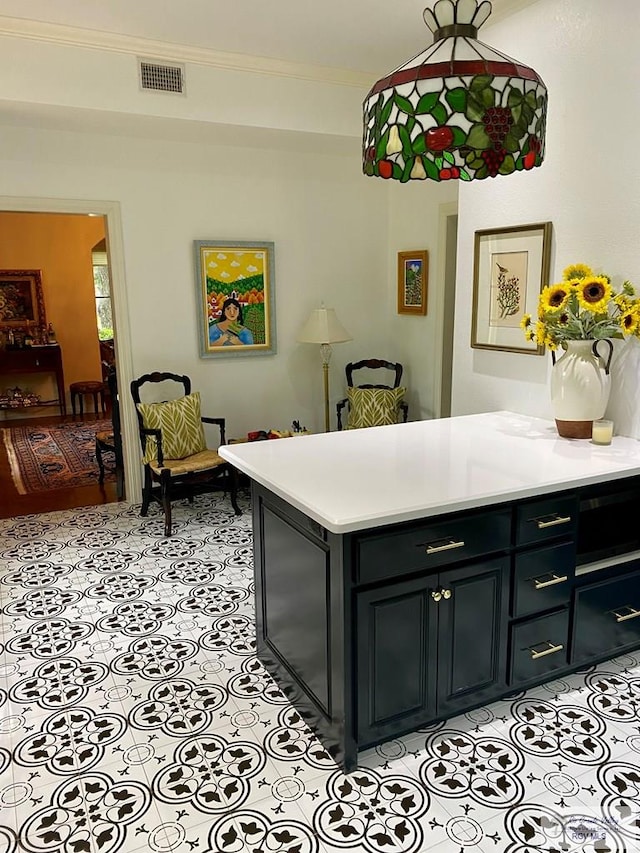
(397, 172)
(427, 103)
(449, 158)
(480, 82)
(405, 140)
(419, 144)
(459, 136)
(488, 98)
(381, 148)
(439, 162)
(514, 99)
(386, 112)
(430, 168)
(516, 112)
(411, 123)
(481, 173)
(473, 161)
(368, 168)
(406, 172)
(478, 138)
(440, 114)
(511, 143)
(531, 99)
(508, 165)
(464, 175)
(403, 104)
(475, 109)
(457, 99)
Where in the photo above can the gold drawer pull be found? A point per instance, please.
(551, 520)
(449, 545)
(554, 579)
(550, 650)
(622, 616)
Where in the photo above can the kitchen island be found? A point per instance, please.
(410, 572)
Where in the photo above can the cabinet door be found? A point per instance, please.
(607, 617)
(472, 634)
(397, 659)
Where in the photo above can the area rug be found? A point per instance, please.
(55, 457)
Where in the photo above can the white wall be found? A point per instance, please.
(588, 186)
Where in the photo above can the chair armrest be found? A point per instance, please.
(339, 407)
(405, 411)
(220, 422)
(157, 434)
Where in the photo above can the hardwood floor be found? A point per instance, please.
(12, 503)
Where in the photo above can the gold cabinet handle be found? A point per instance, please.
(447, 545)
(621, 616)
(554, 579)
(551, 520)
(549, 650)
(436, 595)
(446, 593)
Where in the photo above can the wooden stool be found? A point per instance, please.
(78, 391)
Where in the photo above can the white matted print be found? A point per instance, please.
(511, 266)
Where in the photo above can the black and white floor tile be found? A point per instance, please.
(134, 716)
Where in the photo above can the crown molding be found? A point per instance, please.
(167, 51)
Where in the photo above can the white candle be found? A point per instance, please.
(602, 432)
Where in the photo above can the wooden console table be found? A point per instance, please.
(38, 359)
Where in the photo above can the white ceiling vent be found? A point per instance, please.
(161, 77)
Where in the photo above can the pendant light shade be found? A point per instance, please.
(459, 110)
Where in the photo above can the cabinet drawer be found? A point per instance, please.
(539, 521)
(607, 617)
(421, 547)
(543, 578)
(538, 647)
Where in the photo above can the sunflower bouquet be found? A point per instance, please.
(583, 306)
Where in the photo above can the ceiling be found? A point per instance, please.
(360, 35)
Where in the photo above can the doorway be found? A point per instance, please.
(108, 213)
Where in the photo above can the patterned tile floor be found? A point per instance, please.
(135, 717)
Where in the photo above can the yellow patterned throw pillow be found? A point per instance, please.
(373, 406)
(180, 424)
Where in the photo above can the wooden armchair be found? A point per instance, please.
(370, 404)
(175, 455)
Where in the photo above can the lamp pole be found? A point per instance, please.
(325, 352)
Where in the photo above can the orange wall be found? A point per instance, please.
(60, 246)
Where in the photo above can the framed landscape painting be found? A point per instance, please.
(413, 272)
(511, 267)
(235, 286)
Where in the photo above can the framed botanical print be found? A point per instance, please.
(511, 267)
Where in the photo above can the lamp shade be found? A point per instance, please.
(459, 110)
(323, 327)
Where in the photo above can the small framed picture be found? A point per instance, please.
(21, 300)
(511, 267)
(235, 284)
(413, 273)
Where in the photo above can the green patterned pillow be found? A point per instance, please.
(179, 421)
(373, 406)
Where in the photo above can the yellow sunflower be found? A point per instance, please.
(554, 297)
(541, 333)
(630, 322)
(576, 271)
(594, 293)
(526, 321)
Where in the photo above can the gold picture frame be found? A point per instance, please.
(21, 301)
(511, 267)
(235, 284)
(413, 275)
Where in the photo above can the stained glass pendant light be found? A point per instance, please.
(459, 110)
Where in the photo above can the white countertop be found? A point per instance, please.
(363, 478)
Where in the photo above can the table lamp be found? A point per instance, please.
(324, 328)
